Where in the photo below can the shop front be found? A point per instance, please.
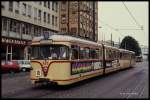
(14, 49)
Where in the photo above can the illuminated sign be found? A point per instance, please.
(81, 67)
(46, 41)
(13, 41)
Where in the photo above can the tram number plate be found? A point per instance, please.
(38, 73)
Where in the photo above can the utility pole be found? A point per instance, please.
(119, 42)
(93, 20)
(125, 45)
(78, 18)
(111, 39)
(104, 38)
(68, 16)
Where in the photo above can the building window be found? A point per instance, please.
(35, 31)
(2, 4)
(24, 9)
(27, 28)
(29, 11)
(38, 31)
(56, 6)
(14, 26)
(23, 28)
(53, 3)
(4, 24)
(48, 18)
(63, 5)
(63, 29)
(64, 2)
(17, 7)
(45, 3)
(63, 18)
(11, 25)
(17, 27)
(53, 20)
(40, 2)
(35, 13)
(73, 30)
(10, 6)
(49, 4)
(39, 15)
(44, 16)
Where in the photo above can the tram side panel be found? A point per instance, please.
(111, 59)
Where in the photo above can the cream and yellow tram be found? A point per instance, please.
(64, 59)
(127, 58)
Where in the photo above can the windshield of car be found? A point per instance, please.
(57, 52)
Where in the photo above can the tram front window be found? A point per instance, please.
(56, 52)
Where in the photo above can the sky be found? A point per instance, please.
(114, 15)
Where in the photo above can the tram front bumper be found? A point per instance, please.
(45, 81)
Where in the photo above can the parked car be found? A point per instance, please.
(9, 66)
(139, 58)
(24, 65)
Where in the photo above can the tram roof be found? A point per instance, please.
(124, 50)
(58, 37)
(107, 46)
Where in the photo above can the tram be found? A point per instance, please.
(63, 59)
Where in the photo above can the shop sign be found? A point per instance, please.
(13, 41)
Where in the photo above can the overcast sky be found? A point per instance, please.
(114, 15)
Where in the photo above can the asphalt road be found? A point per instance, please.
(129, 83)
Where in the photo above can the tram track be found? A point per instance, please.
(131, 80)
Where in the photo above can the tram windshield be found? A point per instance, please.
(56, 52)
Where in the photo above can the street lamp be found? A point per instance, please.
(102, 35)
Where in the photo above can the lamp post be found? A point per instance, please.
(101, 35)
(68, 16)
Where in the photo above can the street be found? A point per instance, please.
(129, 83)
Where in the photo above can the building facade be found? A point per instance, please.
(79, 18)
(144, 51)
(23, 20)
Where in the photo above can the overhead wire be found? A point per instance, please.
(131, 15)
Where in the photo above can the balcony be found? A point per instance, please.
(26, 37)
(14, 35)
(4, 33)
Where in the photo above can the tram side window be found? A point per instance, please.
(115, 55)
(97, 54)
(120, 55)
(94, 54)
(101, 53)
(123, 56)
(84, 53)
(110, 54)
(75, 52)
(87, 53)
(107, 53)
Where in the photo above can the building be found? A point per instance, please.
(21, 21)
(144, 50)
(79, 18)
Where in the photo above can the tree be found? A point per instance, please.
(131, 44)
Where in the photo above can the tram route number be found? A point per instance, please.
(38, 73)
